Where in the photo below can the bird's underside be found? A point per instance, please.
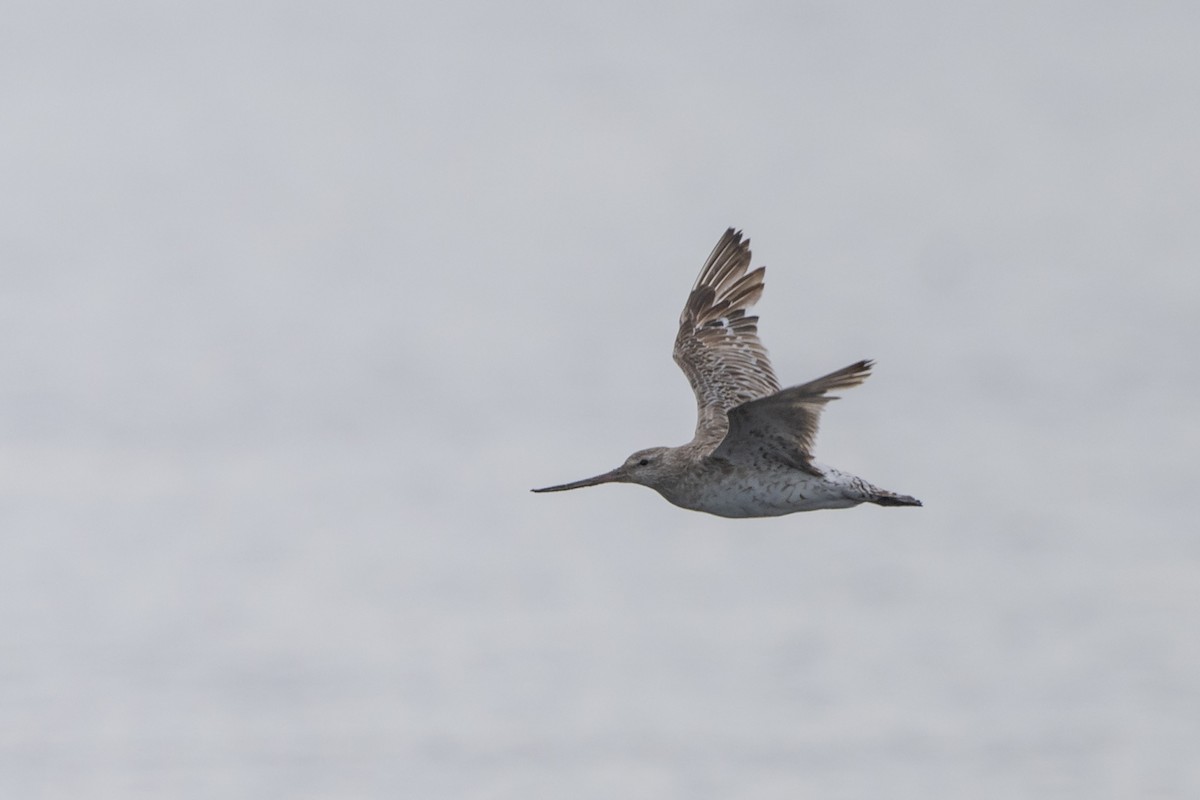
(751, 454)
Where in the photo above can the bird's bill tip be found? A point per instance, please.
(607, 477)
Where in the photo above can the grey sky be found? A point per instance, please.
(301, 299)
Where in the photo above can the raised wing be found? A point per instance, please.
(783, 426)
(718, 347)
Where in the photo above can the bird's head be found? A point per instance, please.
(646, 467)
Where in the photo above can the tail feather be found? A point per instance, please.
(886, 498)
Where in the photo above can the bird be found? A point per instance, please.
(751, 455)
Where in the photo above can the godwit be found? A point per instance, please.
(752, 452)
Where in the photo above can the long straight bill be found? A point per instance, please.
(608, 477)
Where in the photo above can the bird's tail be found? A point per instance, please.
(885, 498)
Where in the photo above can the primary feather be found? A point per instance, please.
(718, 347)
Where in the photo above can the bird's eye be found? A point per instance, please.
(643, 462)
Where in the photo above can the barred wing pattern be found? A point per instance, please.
(718, 347)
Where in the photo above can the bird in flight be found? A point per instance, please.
(751, 455)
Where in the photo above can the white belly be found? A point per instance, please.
(771, 494)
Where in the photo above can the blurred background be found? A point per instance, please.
(301, 299)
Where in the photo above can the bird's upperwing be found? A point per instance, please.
(718, 347)
(783, 426)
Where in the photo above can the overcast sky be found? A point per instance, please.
(299, 300)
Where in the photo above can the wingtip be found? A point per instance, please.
(734, 237)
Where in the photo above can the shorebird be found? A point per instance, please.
(751, 455)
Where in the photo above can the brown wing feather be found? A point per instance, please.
(718, 347)
(783, 426)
